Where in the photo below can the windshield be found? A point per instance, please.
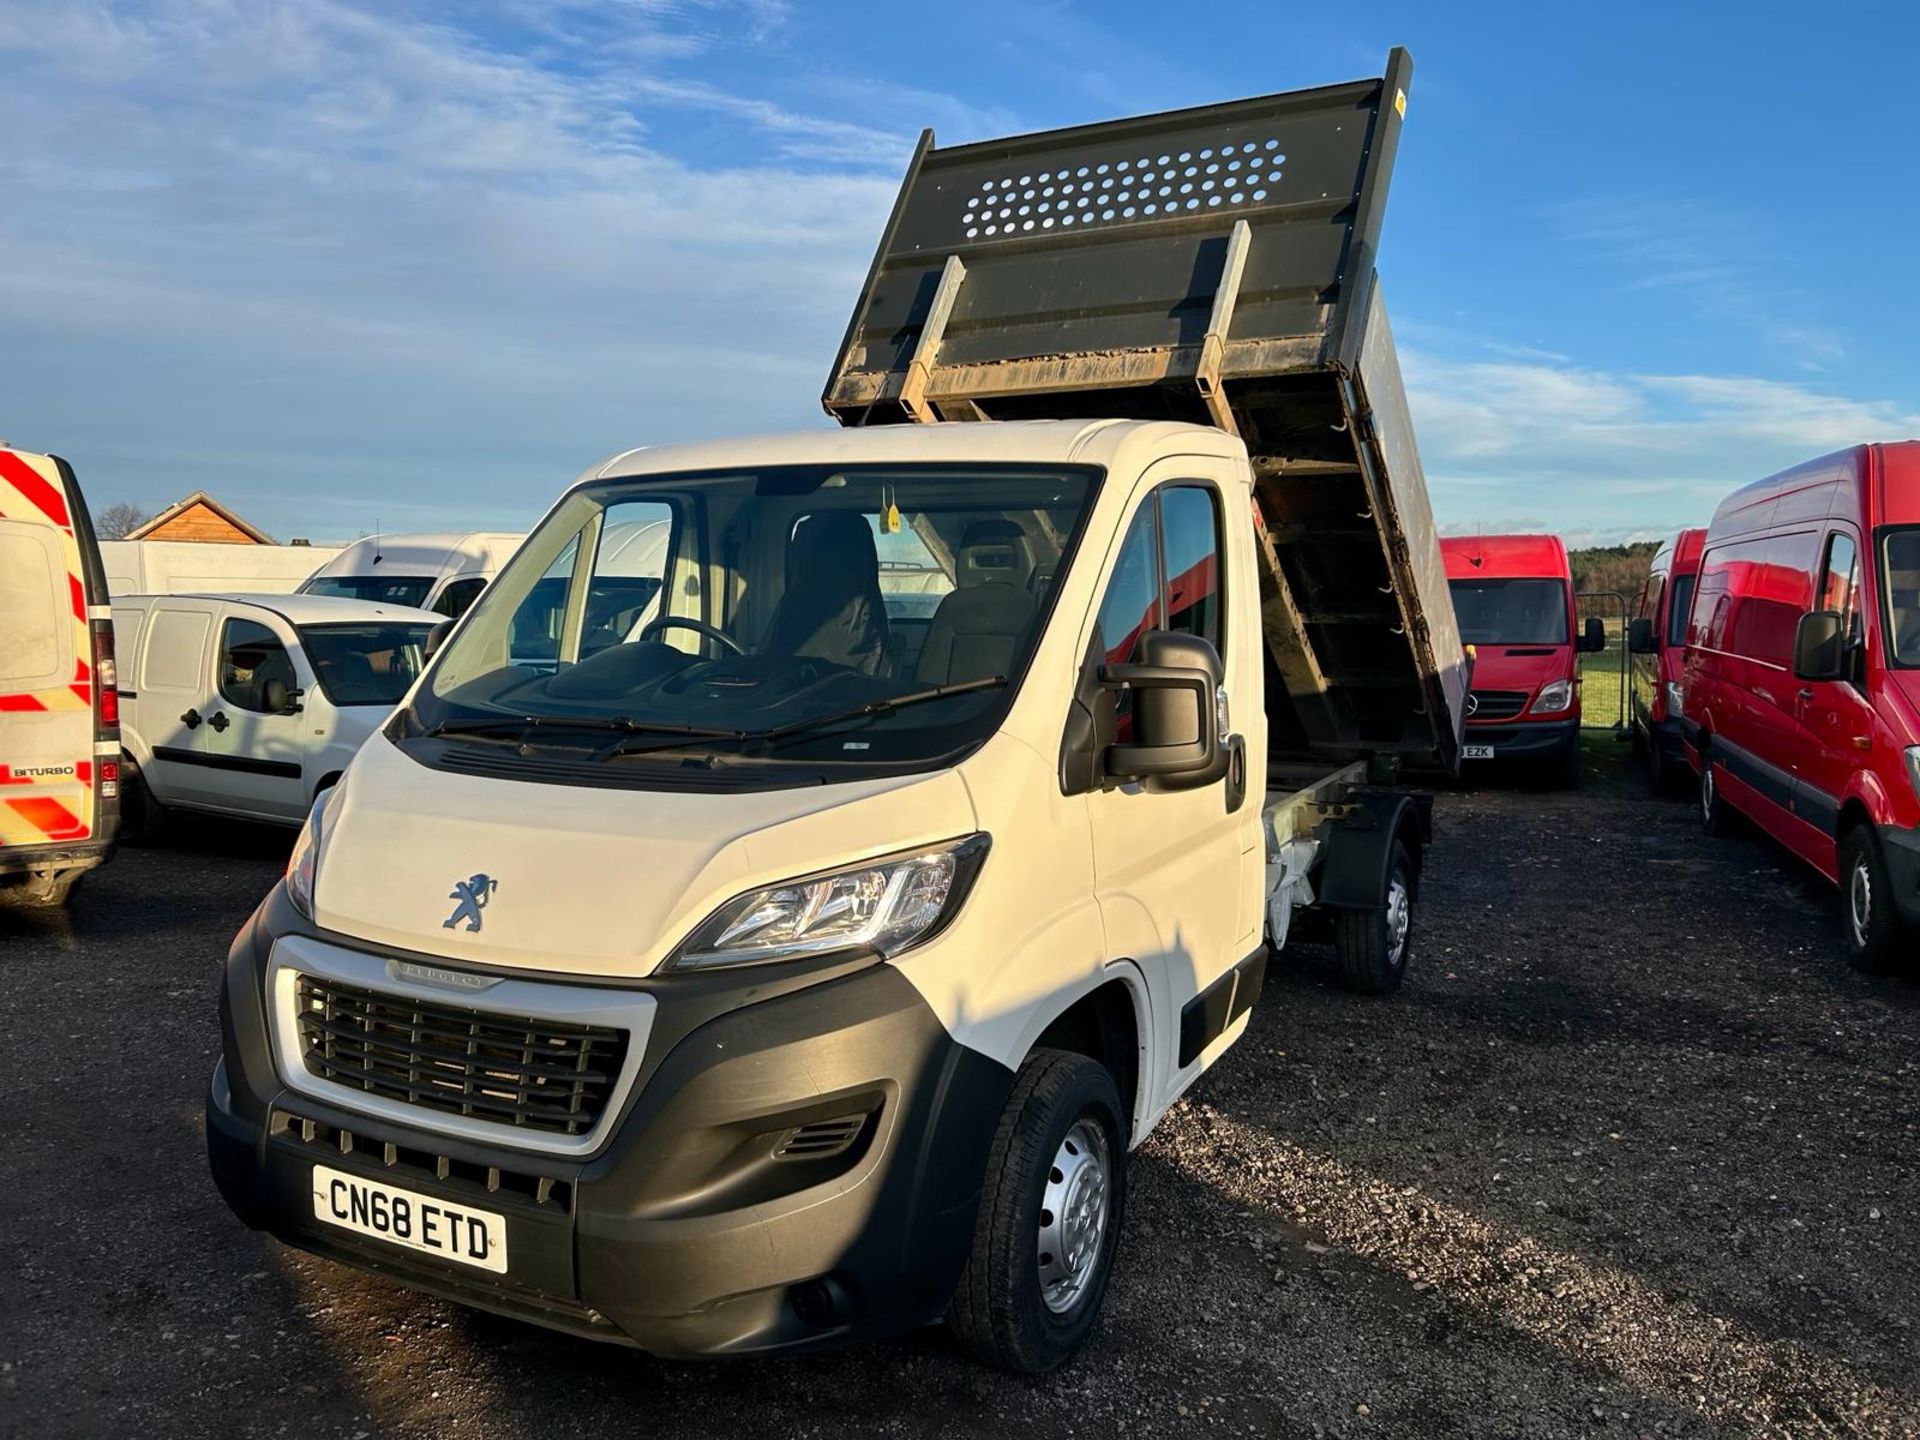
(799, 613)
(367, 664)
(1511, 612)
(1901, 562)
(408, 590)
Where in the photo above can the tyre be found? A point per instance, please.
(1715, 817)
(1373, 946)
(1049, 1217)
(1866, 904)
(143, 819)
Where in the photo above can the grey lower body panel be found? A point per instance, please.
(690, 1233)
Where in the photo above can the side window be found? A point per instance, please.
(1840, 577)
(455, 599)
(250, 656)
(1190, 524)
(1679, 610)
(176, 640)
(1132, 603)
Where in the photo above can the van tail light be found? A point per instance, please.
(107, 780)
(106, 684)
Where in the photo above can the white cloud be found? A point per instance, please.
(1603, 457)
(318, 238)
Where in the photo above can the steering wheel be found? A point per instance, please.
(684, 622)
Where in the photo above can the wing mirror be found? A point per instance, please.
(1594, 638)
(1176, 739)
(280, 698)
(437, 636)
(1640, 636)
(1820, 646)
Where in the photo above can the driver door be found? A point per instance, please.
(1177, 873)
(254, 754)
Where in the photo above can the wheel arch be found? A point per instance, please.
(1109, 1021)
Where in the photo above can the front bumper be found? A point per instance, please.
(684, 1234)
(1901, 849)
(1533, 740)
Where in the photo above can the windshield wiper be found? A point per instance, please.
(523, 725)
(875, 707)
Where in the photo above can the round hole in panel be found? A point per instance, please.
(1238, 197)
(986, 184)
(1106, 214)
(1226, 149)
(1213, 200)
(1127, 213)
(1206, 154)
(1185, 155)
(1187, 189)
(1026, 224)
(1193, 204)
(1101, 168)
(1206, 184)
(1191, 170)
(1148, 210)
(1044, 207)
(1164, 160)
(1081, 171)
(1084, 201)
(992, 228)
(1274, 178)
(1273, 144)
(1259, 194)
(972, 233)
(1066, 220)
(1026, 179)
(1047, 224)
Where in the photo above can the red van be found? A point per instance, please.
(1802, 688)
(1513, 597)
(1656, 653)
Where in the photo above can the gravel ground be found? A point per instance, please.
(1632, 1153)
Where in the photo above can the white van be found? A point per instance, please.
(59, 746)
(442, 572)
(251, 705)
(190, 567)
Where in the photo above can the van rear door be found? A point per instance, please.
(46, 693)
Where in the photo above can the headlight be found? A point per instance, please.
(1554, 698)
(1913, 769)
(305, 859)
(888, 905)
(1676, 698)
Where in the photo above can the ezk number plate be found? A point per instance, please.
(405, 1217)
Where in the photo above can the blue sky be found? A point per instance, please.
(344, 262)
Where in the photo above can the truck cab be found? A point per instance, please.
(1513, 599)
(792, 948)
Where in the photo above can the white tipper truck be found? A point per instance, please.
(792, 950)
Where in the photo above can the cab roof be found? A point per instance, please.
(1506, 557)
(1038, 442)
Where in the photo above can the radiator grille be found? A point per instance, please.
(528, 1072)
(1496, 704)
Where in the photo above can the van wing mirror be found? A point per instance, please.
(1176, 742)
(280, 698)
(1640, 636)
(1820, 646)
(1594, 638)
(437, 636)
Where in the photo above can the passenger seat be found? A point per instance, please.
(980, 624)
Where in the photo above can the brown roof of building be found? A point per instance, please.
(200, 498)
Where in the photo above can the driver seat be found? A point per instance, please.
(832, 609)
(979, 625)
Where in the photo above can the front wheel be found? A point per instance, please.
(1049, 1216)
(1866, 901)
(1373, 945)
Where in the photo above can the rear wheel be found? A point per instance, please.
(1049, 1217)
(1714, 815)
(1373, 945)
(1866, 904)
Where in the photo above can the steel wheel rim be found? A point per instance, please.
(1860, 902)
(1399, 920)
(1074, 1210)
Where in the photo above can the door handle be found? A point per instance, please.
(191, 719)
(1805, 694)
(218, 720)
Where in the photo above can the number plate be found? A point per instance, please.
(1476, 752)
(410, 1219)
